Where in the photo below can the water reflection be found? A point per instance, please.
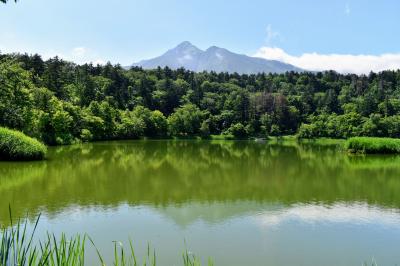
(165, 173)
(355, 214)
(233, 233)
(242, 203)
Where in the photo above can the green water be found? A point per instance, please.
(241, 203)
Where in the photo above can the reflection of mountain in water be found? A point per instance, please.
(213, 213)
(172, 173)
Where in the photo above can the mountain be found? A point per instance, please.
(214, 59)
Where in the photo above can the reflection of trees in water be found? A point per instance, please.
(161, 173)
(13, 175)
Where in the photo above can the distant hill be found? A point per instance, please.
(214, 59)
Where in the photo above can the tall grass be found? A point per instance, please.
(372, 145)
(15, 145)
(17, 248)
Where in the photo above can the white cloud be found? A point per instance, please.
(83, 55)
(99, 62)
(343, 63)
(11, 43)
(79, 51)
(272, 35)
(347, 9)
(185, 58)
(79, 55)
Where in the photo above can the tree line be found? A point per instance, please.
(60, 102)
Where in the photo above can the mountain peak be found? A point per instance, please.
(216, 59)
(213, 48)
(217, 51)
(185, 46)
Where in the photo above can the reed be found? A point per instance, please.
(17, 248)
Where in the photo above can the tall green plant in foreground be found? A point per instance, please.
(15, 145)
(17, 247)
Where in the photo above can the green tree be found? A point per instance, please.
(130, 126)
(15, 95)
(159, 124)
(186, 120)
(238, 131)
(54, 79)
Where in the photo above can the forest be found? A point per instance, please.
(60, 102)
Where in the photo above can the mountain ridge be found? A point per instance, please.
(216, 59)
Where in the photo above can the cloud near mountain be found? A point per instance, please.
(342, 63)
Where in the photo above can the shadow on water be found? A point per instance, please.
(172, 173)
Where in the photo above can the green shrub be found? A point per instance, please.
(15, 145)
(275, 131)
(86, 135)
(205, 129)
(238, 131)
(372, 145)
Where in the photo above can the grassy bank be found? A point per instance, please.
(371, 145)
(15, 145)
(222, 137)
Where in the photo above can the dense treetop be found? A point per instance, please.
(60, 102)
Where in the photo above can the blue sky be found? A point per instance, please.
(126, 31)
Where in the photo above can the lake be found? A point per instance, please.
(238, 202)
